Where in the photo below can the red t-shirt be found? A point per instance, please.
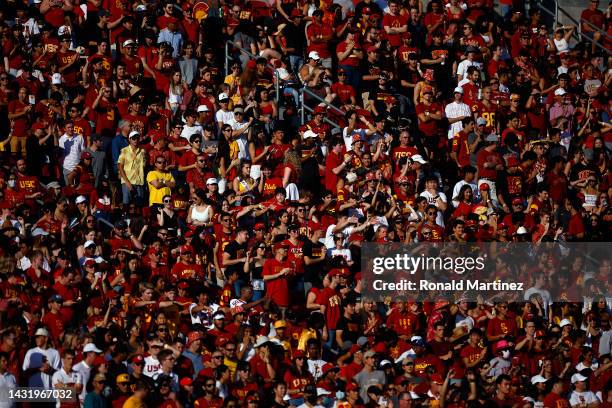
(277, 289)
(395, 40)
(331, 300)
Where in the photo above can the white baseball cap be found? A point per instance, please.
(314, 55)
(418, 158)
(89, 347)
(538, 379)
(202, 108)
(56, 79)
(41, 331)
(282, 73)
(564, 322)
(560, 92)
(127, 42)
(309, 133)
(211, 180)
(223, 96)
(39, 231)
(578, 377)
(133, 133)
(89, 243)
(458, 90)
(80, 199)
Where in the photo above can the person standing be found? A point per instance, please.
(160, 182)
(131, 164)
(68, 379)
(72, 145)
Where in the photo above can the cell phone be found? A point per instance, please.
(32, 100)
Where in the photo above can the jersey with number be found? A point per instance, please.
(489, 113)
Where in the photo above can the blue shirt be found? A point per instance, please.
(118, 143)
(174, 38)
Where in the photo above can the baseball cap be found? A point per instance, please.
(418, 158)
(560, 92)
(223, 97)
(193, 336)
(38, 232)
(280, 324)
(202, 108)
(134, 133)
(123, 378)
(41, 331)
(211, 180)
(80, 199)
(417, 341)
(89, 243)
(538, 379)
(56, 79)
(309, 133)
(137, 359)
(578, 377)
(481, 121)
(91, 347)
(458, 90)
(314, 55)
(127, 42)
(186, 249)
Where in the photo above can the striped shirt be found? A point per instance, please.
(456, 110)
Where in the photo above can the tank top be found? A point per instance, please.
(202, 216)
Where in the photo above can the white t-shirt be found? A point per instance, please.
(85, 371)
(152, 366)
(329, 236)
(224, 116)
(52, 355)
(61, 376)
(190, 130)
(72, 147)
(465, 64)
(430, 200)
(586, 397)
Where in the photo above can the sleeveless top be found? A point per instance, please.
(202, 216)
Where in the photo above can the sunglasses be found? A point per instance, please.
(432, 212)
(167, 201)
(160, 162)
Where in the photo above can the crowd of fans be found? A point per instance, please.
(186, 187)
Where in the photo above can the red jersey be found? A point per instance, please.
(331, 300)
(432, 126)
(461, 148)
(314, 30)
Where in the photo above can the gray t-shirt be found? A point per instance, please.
(365, 379)
(98, 165)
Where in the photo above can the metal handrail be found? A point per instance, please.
(252, 56)
(321, 100)
(578, 34)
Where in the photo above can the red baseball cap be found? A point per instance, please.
(186, 249)
(186, 382)
(193, 336)
(137, 359)
(437, 379)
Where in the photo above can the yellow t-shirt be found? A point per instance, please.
(156, 195)
(133, 402)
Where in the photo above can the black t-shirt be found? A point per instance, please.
(412, 77)
(368, 68)
(311, 272)
(236, 251)
(351, 328)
